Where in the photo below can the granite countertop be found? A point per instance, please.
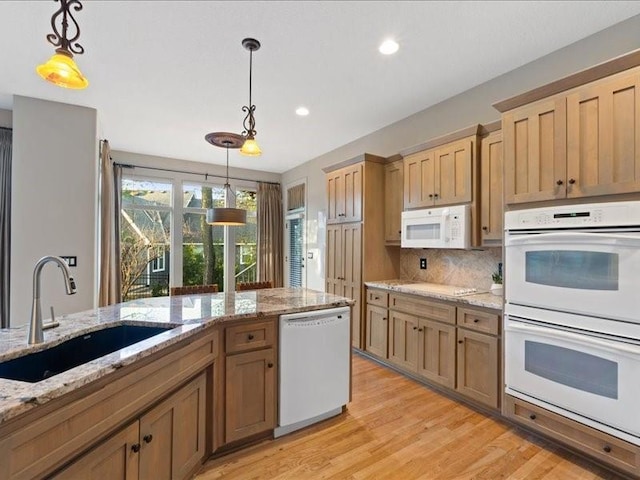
(187, 314)
(484, 299)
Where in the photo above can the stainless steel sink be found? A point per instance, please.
(37, 366)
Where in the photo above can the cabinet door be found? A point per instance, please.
(393, 201)
(478, 366)
(437, 352)
(603, 138)
(334, 272)
(377, 331)
(535, 151)
(419, 174)
(335, 196)
(453, 173)
(491, 189)
(352, 177)
(173, 434)
(250, 397)
(403, 340)
(352, 278)
(113, 459)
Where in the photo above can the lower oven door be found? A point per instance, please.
(591, 379)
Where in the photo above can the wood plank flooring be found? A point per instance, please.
(396, 428)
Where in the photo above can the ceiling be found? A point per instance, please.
(164, 73)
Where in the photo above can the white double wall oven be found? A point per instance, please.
(572, 312)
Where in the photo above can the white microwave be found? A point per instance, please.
(446, 227)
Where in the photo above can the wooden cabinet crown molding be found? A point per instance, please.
(602, 70)
(365, 157)
(442, 140)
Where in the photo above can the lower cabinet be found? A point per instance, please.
(168, 442)
(250, 405)
(456, 347)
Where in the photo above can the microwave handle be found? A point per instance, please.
(586, 340)
(574, 237)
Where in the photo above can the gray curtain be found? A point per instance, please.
(270, 231)
(110, 198)
(5, 223)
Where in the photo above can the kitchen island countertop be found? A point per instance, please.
(187, 314)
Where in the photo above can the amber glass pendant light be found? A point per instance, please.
(250, 146)
(60, 69)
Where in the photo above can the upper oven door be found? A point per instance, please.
(595, 274)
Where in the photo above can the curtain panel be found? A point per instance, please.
(110, 198)
(270, 234)
(5, 223)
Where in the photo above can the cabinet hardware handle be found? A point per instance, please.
(399, 232)
(135, 448)
(415, 328)
(460, 341)
(419, 329)
(476, 320)
(431, 195)
(559, 182)
(485, 228)
(148, 438)
(384, 318)
(250, 336)
(607, 448)
(376, 298)
(532, 416)
(435, 195)
(270, 365)
(572, 181)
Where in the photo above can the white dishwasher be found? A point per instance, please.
(314, 367)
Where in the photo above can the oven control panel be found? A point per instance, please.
(575, 216)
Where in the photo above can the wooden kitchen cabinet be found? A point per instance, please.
(582, 142)
(356, 250)
(114, 459)
(440, 176)
(344, 192)
(491, 208)
(344, 274)
(250, 394)
(377, 331)
(437, 352)
(394, 199)
(478, 366)
(403, 340)
(168, 442)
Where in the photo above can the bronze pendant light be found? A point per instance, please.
(60, 69)
(226, 215)
(250, 146)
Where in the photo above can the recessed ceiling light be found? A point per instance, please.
(388, 47)
(302, 111)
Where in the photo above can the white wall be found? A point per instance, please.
(468, 108)
(6, 118)
(54, 197)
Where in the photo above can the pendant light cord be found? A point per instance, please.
(250, 75)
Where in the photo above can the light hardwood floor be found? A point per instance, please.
(396, 428)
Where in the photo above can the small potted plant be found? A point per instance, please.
(496, 286)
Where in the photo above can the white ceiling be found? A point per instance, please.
(164, 73)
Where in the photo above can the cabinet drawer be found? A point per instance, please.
(423, 308)
(250, 336)
(479, 320)
(377, 297)
(611, 450)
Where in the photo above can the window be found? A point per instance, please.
(246, 238)
(145, 238)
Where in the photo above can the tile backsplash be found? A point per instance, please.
(464, 268)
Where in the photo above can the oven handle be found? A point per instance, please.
(586, 340)
(575, 237)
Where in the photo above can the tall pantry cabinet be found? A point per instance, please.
(356, 250)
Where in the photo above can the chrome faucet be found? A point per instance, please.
(35, 330)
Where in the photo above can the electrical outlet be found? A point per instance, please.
(500, 268)
(423, 264)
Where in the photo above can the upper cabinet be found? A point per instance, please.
(577, 137)
(442, 175)
(491, 189)
(344, 192)
(394, 199)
